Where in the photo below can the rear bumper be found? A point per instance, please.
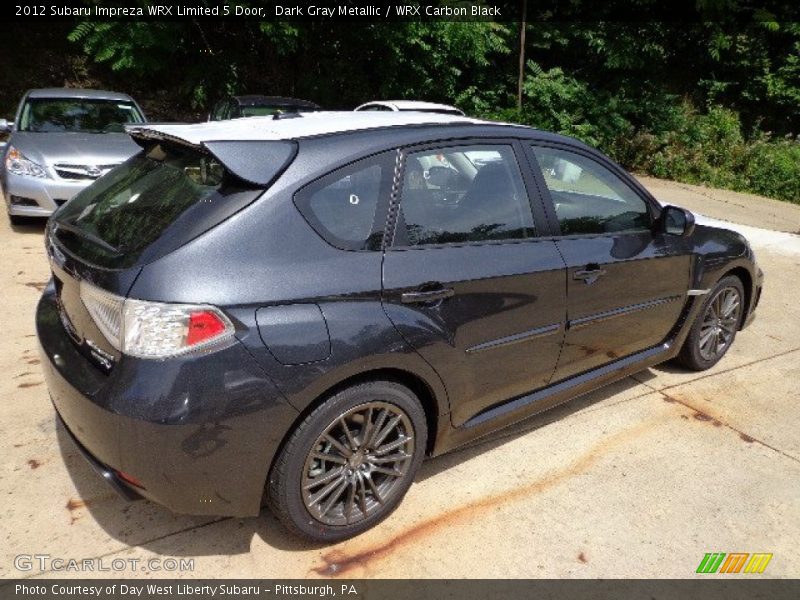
(105, 472)
(199, 432)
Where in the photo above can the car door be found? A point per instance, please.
(467, 280)
(626, 281)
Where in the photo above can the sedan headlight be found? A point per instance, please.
(19, 164)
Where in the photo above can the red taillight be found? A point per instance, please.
(202, 326)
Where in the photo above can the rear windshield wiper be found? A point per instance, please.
(82, 233)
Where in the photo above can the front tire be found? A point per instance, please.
(349, 463)
(715, 326)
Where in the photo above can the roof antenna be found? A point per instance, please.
(285, 115)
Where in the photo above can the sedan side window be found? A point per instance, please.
(464, 194)
(216, 115)
(588, 197)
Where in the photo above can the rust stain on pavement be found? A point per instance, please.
(699, 415)
(30, 384)
(74, 504)
(340, 560)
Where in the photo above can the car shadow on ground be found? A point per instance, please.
(30, 225)
(437, 465)
(156, 529)
(671, 367)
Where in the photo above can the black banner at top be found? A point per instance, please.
(742, 11)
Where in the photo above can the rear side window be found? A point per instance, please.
(343, 206)
(464, 194)
(115, 219)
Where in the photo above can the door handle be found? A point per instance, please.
(589, 275)
(435, 295)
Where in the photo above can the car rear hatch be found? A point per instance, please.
(152, 204)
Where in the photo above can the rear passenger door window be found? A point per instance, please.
(463, 194)
(348, 206)
(588, 197)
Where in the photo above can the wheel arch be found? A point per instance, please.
(747, 282)
(412, 381)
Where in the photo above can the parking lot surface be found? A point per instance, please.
(639, 479)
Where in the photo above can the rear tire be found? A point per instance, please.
(349, 463)
(715, 326)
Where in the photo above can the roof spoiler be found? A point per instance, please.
(256, 162)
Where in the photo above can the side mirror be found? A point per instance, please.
(676, 221)
(6, 126)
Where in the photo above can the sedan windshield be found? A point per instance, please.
(47, 115)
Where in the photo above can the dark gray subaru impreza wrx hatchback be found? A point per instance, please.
(300, 308)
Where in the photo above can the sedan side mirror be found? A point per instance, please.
(676, 221)
(6, 126)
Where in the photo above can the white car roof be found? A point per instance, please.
(307, 125)
(409, 105)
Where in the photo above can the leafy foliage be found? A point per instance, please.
(705, 101)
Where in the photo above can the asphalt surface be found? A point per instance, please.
(639, 479)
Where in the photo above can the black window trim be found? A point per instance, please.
(653, 206)
(396, 238)
(301, 198)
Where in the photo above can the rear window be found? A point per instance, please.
(113, 221)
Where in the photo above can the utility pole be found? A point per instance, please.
(521, 77)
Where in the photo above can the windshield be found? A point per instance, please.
(265, 110)
(47, 115)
